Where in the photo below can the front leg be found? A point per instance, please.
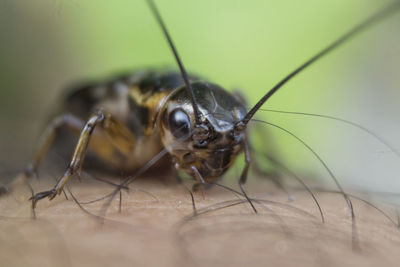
(53, 129)
(243, 177)
(124, 142)
(242, 180)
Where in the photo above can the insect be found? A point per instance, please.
(130, 122)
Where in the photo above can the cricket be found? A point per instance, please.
(135, 121)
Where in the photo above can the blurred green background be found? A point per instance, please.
(49, 44)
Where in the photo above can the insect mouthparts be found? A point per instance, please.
(201, 133)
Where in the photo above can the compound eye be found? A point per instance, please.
(179, 123)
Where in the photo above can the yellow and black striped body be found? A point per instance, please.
(134, 100)
(143, 103)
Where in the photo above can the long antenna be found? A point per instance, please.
(178, 60)
(379, 16)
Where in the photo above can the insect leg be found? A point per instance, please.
(243, 177)
(271, 175)
(48, 138)
(180, 181)
(120, 137)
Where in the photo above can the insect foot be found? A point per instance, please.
(50, 194)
